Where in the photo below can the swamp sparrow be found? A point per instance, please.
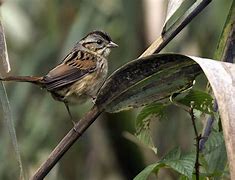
(81, 73)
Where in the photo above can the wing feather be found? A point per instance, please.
(69, 72)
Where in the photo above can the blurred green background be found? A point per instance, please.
(40, 33)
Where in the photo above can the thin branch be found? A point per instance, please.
(198, 138)
(91, 116)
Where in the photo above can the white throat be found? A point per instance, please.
(104, 52)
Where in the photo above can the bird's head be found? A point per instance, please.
(98, 42)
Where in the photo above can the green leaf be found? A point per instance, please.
(183, 164)
(182, 177)
(143, 175)
(215, 153)
(173, 154)
(147, 80)
(214, 141)
(143, 120)
(202, 101)
(145, 137)
(154, 109)
(225, 47)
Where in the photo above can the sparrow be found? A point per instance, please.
(80, 74)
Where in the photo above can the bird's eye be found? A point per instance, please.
(99, 41)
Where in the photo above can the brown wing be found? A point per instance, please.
(69, 72)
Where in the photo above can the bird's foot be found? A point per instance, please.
(74, 125)
(93, 99)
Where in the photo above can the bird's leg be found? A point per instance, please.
(70, 115)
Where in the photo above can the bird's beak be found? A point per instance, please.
(112, 45)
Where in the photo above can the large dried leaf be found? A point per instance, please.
(221, 76)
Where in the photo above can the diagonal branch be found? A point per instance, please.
(91, 116)
(180, 24)
(67, 142)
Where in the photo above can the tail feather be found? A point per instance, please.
(30, 79)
